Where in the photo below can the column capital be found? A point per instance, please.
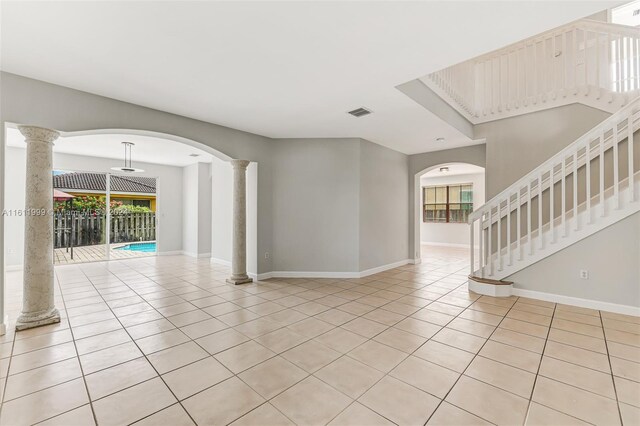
(42, 134)
(239, 164)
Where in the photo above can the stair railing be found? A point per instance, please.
(582, 58)
(526, 217)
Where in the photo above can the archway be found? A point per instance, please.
(444, 195)
(211, 238)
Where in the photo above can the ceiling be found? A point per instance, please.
(455, 169)
(147, 149)
(279, 69)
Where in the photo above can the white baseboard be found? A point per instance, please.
(220, 261)
(424, 243)
(261, 277)
(327, 274)
(577, 301)
(383, 268)
(170, 253)
(196, 255)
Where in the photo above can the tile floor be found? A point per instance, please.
(164, 341)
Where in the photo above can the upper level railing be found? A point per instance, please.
(544, 205)
(582, 58)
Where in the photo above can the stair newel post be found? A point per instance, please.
(489, 240)
(481, 244)
(471, 248)
(632, 193)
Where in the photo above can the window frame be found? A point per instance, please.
(447, 203)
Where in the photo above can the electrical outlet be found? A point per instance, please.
(267, 255)
(584, 274)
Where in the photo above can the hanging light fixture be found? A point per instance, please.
(127, 160)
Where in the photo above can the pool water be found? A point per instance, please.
(143, 247)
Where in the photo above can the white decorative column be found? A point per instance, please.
(239, 255)
(37, 299)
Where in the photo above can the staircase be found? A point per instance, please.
(589, 62)
(591, 184)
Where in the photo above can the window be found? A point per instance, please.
(447, 203)
(142, 203)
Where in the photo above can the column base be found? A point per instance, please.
(38, 319)
(239, 280)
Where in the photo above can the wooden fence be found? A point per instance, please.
(74, 229)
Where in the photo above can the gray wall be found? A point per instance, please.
(315, 205)
(308, 192)
(384, 204)
(517, 145)
(611, 257)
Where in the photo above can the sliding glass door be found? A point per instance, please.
(103, 216)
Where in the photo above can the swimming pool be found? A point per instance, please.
(143, 247)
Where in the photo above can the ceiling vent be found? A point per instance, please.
(360, 112)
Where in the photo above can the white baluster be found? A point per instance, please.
(585, 41)
(602, 206)
(565, 71)
(587, 156)
(612, 84)
(616, 183)
(598, 61)
(552, 214)
(540, 235)
(576, 224)
(529, 236)
(510, 254)
(632, 193)
(563, 212)
(500, 236)
(534, 64)
(545, 70)
(519, 230)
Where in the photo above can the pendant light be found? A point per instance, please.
(127, 160)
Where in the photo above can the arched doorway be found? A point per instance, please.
(444, 195)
